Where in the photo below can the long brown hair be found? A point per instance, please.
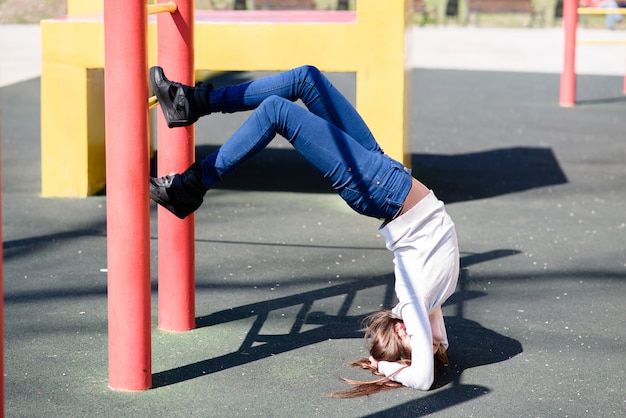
(385, 345)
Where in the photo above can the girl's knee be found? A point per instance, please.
(271, 103)
(308, 71)
(273, 108)
(311, 69)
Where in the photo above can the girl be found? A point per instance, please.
(334, 139)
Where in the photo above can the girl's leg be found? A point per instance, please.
(306, 83)
(325, 146)
(369, 181)
(183, 105)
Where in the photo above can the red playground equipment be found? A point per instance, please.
(128, 218)
(570, 24)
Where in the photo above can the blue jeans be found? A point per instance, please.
(330, 135)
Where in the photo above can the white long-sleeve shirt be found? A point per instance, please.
(426, 264)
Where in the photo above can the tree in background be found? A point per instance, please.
(545, 9)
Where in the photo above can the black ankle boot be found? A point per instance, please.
(182, 193)
(181, 105)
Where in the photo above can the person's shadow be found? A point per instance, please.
(484, 174)
(471, 345)
(453, 178)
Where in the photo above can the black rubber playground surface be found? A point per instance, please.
(285, 271)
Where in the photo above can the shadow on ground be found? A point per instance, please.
(471, 344)
(453, 178)
(486, 174)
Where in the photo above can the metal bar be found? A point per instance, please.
(169, 7)
(152, 102)
(601, 11)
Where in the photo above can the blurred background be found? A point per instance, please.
(488, 13)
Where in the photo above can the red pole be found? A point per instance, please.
(624, 83)
(176, 150)
(568, 76)
(127, 173)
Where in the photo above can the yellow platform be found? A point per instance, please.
(371, 41)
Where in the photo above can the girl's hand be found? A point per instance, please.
(374, 362)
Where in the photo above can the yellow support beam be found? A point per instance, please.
(169, 7)
(72, 109)
(601, 11)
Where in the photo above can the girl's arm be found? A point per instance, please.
(421, 373)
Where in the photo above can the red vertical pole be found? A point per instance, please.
(568, 76)
(127, 173)
(176, 150)
(624, 91)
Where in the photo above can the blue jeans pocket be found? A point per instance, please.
(383, 196)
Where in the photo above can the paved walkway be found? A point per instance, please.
(20, 52)
(285, 271)
(519, 50)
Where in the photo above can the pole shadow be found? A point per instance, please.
(339, 326)
(601, 101)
